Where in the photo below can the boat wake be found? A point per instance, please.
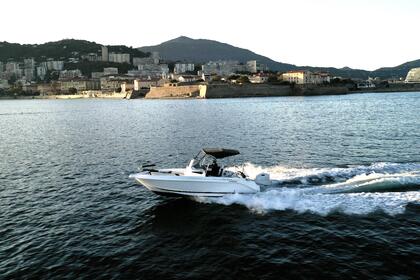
(360, 190)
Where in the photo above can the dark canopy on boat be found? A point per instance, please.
(220, 152)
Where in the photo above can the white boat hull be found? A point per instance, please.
(196, 185)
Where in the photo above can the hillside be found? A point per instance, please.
(57, 50)
(201, 50)
(397, 71)
(182, 49)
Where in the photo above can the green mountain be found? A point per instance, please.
(180, 49)
(201, 50)
(58, 50)
(397, 71)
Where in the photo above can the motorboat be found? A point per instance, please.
(203, 176)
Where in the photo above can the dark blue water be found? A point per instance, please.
(345, 203)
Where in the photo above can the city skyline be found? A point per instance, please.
(328, 33)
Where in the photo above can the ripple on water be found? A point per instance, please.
(344, 203)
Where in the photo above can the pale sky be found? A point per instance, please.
(360, 34)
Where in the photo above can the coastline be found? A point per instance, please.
(217, 91)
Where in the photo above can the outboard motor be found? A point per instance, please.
(263, 179)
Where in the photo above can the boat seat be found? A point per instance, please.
(222, 168)
(213, 170)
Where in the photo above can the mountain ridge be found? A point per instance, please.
(204, 50)
(57, 49)
(184, 48)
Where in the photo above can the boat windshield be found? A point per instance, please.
(202, 160)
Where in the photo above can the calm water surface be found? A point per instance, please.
(345, 201)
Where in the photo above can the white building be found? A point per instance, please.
(119, 57)
(156, 57)
(142, 60)
(13, 69)
(56, 65)
(302, 77)
(258, 79)
(150, 70)
(29, 74)
(366, 84)
(29, 63)
(183, 68)
(252, 66)
(229, 67)
(221, 67)
(98, 75)
(185, 78)
(104, 51)
(110, 71)
(413, 76)
(70, 74)
(41, 71)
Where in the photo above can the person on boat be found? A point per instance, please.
(213, 169)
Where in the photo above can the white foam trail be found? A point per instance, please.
(378, 182)
(302, 200)
(321, 200)
(283, 174)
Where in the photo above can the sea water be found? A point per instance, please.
(344, 198)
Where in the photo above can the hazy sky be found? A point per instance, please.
(359, 34)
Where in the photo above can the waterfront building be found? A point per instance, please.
(29, 86)
(147, 83)
(183, 68)
(104, 51)
(306, 77)
(110, 71)
(185, 78)
(49, 89)
(413, 76)
(113, 84)
(366, 84)
(66, 86)
(119, 57)
(258, 79)
(93, 84)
